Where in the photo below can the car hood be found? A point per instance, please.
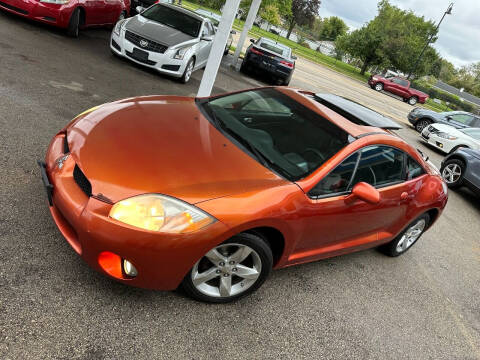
(161, 145)
(155, 31)
(449, 130)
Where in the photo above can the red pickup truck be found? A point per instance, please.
(397, 86)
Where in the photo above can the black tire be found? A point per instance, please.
(392, 248)
(422, 124)
(74, 24)
(286, 82)
(244, 67)
(186, 76)
(378, 87)
(260, 247)
(227, 50)
(453, 182)
(413, 100)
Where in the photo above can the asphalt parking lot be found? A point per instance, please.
(423, 305)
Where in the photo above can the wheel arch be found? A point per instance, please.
(83, 15)
(273, 237)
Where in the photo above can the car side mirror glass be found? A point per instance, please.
(139, 9)
(449, 118)
(294, 57)
(364, 192)
(233, 32)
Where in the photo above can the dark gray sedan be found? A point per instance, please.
(462, 168)
(421, 118)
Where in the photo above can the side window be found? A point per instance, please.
(380, 165)
(414, 169)
(396, 81)
(338, 180)
(207, 29)
(476, 122)
(463, 119)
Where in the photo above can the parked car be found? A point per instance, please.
(398, 86)
(421, 118)
(267, 56)
(448, 139)
(462, 168)
(170, 39)
(210, 193)
(215, 19)
(70, 14)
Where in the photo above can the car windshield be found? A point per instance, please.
(279, 132)
(174, 19)
(275, 48)
(215, 21)
(473, 132)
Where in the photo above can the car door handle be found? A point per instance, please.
(404, 196)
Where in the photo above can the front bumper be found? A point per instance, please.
(162, 260)
(54, 14)
(163, 63)
(442, 144)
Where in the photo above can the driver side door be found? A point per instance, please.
(205, 46)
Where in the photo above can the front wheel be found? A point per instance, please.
(230, 271)
(407, 238)
(422, 124)
(413, 100)
(187, 74)
(74, 23)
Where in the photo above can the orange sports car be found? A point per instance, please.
(210, 194)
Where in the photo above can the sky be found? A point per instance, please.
(459, 35)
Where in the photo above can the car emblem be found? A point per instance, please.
(61, 160)
(143, 43)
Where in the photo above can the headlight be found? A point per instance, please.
(160, 213)
(180, 53)
(444, 135)
(118, 27)
(61, 2)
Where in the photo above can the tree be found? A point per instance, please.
(303, 13)
(332, 28)
(393, 38)
(271, 11)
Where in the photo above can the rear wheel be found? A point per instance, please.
(74, 23)
(413, 100)
(407, 238)
(452, 172)
(230, 271)
(244, 67)
(422, 124)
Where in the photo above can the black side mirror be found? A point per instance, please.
(294, 57)
(252, 41)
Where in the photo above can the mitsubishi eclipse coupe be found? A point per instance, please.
(210, 194)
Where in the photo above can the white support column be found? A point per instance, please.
(252, 15)
(218, 47)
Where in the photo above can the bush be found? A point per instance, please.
(303, 42)
(454, 101)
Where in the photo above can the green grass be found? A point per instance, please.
(301, 51)
(432, 105)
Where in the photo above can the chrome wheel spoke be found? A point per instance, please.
(225, 286)
(200, 278)
(246, 272)
(240, 255)
(215, 257)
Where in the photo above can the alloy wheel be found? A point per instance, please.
(421, 124)
(189, 71)
(412, 100)
(379, 87)
(227, 270)
(411, 235)
(452, 173)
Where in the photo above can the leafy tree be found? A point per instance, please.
(332, 28)
(303, 13)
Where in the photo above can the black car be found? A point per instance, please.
(267, 56)
(421, 118)
(462, 168)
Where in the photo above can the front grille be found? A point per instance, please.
(152, 45)
(132, 55)
(115, 45)
(14, 8)
(82, 181)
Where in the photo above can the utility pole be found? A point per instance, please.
(414, 68)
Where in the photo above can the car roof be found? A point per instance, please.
(208, 13)
(184, 11)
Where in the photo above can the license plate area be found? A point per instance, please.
(140, 54)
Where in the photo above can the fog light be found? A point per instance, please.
(129, 269)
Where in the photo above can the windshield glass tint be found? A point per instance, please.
(274, 48)
(281, 133)
(173, 18)
(208, 15)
